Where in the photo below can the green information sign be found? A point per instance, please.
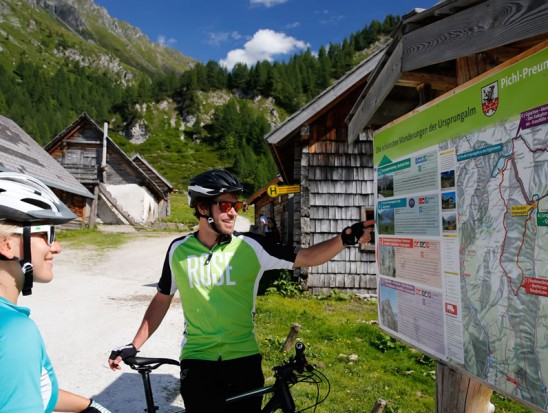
(542, 219)
(462, 228)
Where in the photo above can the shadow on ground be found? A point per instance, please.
(127, 395)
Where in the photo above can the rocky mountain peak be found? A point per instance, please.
(89, 22)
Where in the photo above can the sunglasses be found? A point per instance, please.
(226, 206)
(47, 230)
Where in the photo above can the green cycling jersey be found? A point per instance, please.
(218, 289)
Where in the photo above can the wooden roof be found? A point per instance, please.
(21, 153)
(152, 173)
(423, 57)
(295, 129)
(325, 100)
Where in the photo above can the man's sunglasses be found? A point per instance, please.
(48, 230)
(226, 206)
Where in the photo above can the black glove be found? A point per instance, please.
(124, 352)
(356, 233)
(95, 407)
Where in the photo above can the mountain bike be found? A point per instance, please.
(295, 370)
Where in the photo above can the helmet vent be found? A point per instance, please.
(36, 202)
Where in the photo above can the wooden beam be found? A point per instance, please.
(490, 24)
(437, 82)
(375, 92)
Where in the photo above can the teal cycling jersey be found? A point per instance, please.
(27, 380)
(218, 290)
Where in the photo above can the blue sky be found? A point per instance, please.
(229, 31)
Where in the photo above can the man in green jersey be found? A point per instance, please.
(217, 272)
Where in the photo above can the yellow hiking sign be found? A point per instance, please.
(276, 190)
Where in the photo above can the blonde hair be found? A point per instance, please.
(9, 276)
(8, 227)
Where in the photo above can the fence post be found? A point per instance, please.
(291, 337)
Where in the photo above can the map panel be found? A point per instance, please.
(499, 195)
(462, 229)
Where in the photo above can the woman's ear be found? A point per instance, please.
(7, 247)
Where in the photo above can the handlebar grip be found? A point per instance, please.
(300, 362)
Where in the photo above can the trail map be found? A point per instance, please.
(505, 255)
(462, 229)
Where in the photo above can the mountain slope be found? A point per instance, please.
(59, 58)
(52, 31)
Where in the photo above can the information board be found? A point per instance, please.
(462, 218)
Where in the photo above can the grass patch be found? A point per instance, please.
(85, 237)
(180, 211)
(334, 329)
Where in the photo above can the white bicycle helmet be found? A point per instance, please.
(26, 200)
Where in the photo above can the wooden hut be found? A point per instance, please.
(123, 192)
(336, 181)
(21, 153)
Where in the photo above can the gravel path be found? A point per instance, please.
(96, 302)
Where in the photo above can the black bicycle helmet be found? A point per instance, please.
(26, 200)
(211, 184)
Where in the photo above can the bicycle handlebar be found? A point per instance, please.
(296, 363)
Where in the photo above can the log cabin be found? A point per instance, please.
(125, 192)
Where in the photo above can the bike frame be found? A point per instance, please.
(281, 393)
(281, 399)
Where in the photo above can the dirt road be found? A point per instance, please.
(96, 302)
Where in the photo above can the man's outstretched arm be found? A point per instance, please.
(324, 251)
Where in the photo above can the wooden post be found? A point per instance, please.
(93, 210)
(291, 337)
(460, 393)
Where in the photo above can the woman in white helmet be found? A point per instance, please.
(29, 211)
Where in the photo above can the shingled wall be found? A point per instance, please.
(336, 183)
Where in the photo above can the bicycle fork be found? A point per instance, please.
(282, 399)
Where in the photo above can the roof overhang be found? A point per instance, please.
(318, 105)
(447, 31)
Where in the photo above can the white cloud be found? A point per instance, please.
(268, 3)
(293, 25)
(329, 17)
(216, 39)
(264, 45)
(162, 40)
